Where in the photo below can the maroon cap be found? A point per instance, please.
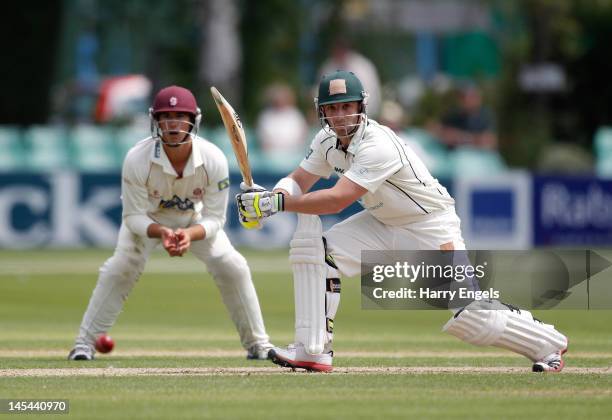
(175, 98)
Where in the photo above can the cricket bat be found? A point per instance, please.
(235, 131)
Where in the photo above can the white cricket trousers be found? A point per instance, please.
(119, 274)
(362, 231)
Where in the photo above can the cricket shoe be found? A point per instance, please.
(259, 351)
(551, 363)
(295, 357)
(81, 352)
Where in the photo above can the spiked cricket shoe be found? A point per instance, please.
(295, 357)
(551, 363)
(81, 352)
(259, 351)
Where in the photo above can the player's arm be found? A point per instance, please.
(215, 199)
(260, 204)
(328, 201)
(304, 180)
(135, 200)
(215, 206)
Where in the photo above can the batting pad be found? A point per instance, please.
(492, 323)
(307, 256)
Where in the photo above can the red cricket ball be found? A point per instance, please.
(104, 344)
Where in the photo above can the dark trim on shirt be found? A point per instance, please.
(407, 195)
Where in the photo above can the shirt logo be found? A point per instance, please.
(183, 205)
(223, 184)
(173, 101)
(157, 151)
(337, 86)
(309, 153)
(339, 170)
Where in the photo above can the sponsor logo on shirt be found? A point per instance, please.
(223, 184)
(157, 151)
(309, 153)
(176, 201)
(376, 206)
(339, 170)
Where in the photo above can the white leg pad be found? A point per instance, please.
(307, 256)
(485, 323)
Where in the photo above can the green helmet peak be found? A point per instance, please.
(340, 86)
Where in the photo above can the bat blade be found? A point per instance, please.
(235, 132)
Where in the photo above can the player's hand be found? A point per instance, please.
(246, 222)
(183, 241)
(259, 204)
(169, 241)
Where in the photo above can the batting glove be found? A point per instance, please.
(259, 204)
(245, 221)
(250, 223)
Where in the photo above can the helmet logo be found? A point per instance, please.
(173, 101)
(337, 86)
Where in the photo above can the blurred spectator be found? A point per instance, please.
(343, 57)
(281, 127)
(564, 158)
(469, 124)
(393, 116)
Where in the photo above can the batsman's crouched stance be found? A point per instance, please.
(405, 208)
(174, 192)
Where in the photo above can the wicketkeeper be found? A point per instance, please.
(405, 208)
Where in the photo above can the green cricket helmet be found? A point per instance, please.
(340, 86)
(337, 87)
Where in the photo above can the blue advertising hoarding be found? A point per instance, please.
(495, 211)
(511, 211)
(572, 211)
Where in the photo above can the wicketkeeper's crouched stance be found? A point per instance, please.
(405, 208)
(175, 192)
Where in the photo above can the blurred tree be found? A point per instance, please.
(30, 35)
(270, 38)
(572, 34)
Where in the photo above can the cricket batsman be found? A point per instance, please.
(405, 208)
(174, 191)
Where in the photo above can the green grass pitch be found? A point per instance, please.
(178, 356)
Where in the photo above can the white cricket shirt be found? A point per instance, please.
(400, 188)
(152, 192)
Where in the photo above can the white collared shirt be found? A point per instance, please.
(152, 192)
(400, 188)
